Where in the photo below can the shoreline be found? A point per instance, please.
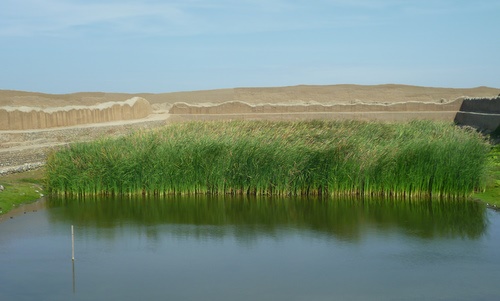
(23, 209)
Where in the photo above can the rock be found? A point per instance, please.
(2, 188)
(21, 168)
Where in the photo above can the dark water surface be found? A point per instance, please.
(251, 249)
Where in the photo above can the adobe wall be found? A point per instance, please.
(481, 105)
(23, 118)
(480, 113)
(360, 111)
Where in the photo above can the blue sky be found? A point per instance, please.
(62, 46)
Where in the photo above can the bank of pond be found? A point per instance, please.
(324, 158)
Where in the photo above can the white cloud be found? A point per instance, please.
(189, 17)
(33, 17)
(175, 17)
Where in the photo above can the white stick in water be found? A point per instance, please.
(72, 244)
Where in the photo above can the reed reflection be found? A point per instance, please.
(249, 218)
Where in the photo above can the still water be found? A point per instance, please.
(251, 249)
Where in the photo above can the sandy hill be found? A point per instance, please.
(295, 94)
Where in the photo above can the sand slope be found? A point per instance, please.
(285, 95)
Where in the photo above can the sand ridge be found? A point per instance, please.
(389, 93)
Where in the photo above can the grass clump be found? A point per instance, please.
(20, 188)
(418, 158)
(491, 193)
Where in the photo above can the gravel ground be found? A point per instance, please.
(26, 150)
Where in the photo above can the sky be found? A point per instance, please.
(65, 46)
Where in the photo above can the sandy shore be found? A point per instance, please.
(29, 146)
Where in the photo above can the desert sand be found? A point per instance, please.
(89, 115)
(282, 95)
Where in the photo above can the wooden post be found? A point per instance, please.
(72, 244)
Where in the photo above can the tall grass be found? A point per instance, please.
(418, 158)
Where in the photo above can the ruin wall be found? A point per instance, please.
(480, 113)
(24, 118)
(366, 111)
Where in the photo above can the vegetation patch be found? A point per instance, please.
(20, 188)
(418, 158)
(491, 193)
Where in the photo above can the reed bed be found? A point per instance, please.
(414, 159)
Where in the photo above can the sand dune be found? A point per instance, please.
(284, 95)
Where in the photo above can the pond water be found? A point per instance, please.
(203, 248)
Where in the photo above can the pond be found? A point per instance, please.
(202, 248)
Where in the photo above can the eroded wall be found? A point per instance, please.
(24, 118)
(361, 111)
(480, 113)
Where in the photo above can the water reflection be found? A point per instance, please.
(247, 218)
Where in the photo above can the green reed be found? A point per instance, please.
(417, 158)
